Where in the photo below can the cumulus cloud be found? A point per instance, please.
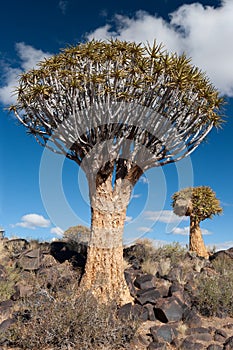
(184, 231)
(57, 231)
(203, 32)
(165, 216)
(28, 59)
(32, 221)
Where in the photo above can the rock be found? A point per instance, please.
(165, 333)
(6, 324)
(195, 330)
(129, 281)
(220, 335)
(158, 346)
(147, 296)
(145, 281)
(188, 345)
(6, 309)
(133, 312)
(191, 318)
(163, 287)
(30, 260)
(214, 347)
(62, 252)
(151, 312)
(204, 337)
(167, 310)
(228, 345)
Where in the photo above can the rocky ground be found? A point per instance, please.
(181, 301)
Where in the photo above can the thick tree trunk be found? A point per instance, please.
(104, 271)
(196, 242)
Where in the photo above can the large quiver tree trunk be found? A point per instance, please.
(196, 242)
(104, 271)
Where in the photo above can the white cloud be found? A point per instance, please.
(28, 57)
(136, 195)
(63, 6)
(184, 231)
(222, 245)
(144, 180)
(203, 32)
(57, 231)
(128, 218)
(144, 229)
(166, 216)
(33, 221)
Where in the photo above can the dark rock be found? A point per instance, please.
(5, 325)
(61, 251)
(197, 330)
(165, 333)
(214, 347)
(151, 312)
(191, 318)
(222, 254)
(188, 345)
(205, 337)
(158, 346)
(6, 309)
(167, 310)
(129, 281)
(147, 296)
(228, 345)
(163, 287)
(133, 312)
(221, 333)
(135, 255)
(30, 260)
(145, 281)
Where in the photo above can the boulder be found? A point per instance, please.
(30, 260)
(188, 345)
(146, 296)
(168, 310)
(151, 312)
(145, 281)
(165, 333)
(157, 346)
(191, 318)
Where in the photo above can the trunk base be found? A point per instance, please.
(104, 275)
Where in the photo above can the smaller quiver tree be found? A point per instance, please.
(199, 203)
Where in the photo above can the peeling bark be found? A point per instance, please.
(196, 242)
(104, 271)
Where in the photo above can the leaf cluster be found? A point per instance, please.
(120, 70)
(201, 202)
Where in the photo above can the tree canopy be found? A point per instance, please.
(200, 202)
(135, 96)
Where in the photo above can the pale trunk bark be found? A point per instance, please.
(196, 242)
(104, 271)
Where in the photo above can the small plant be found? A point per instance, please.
(7, 285)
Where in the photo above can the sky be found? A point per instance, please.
(42, 194)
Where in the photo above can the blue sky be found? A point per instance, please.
(42, 194)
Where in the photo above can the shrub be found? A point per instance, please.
(7, 285)
(64, 321)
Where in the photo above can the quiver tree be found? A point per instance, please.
(116, 109)
(199, 203)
